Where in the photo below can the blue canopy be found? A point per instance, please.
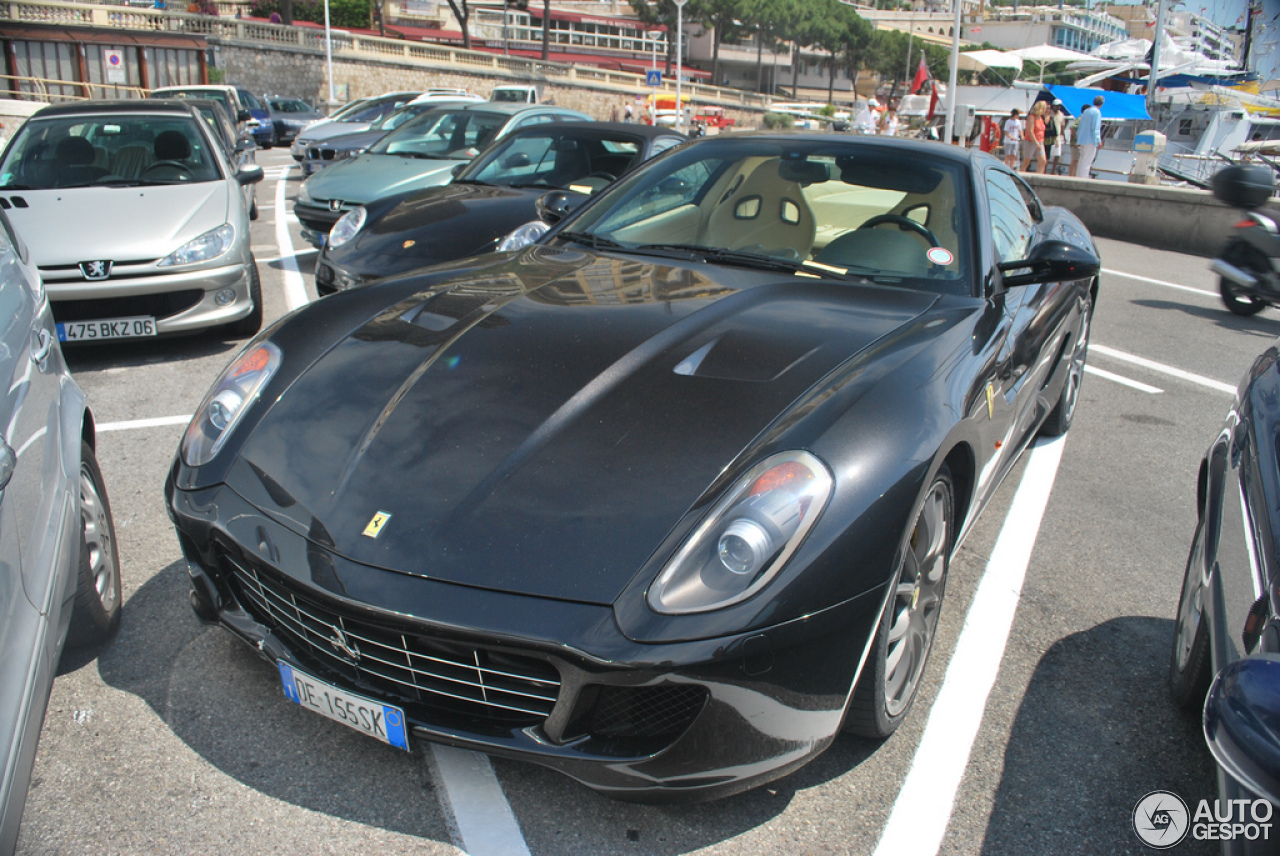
(1117, 105)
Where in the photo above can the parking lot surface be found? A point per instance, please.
(177, 738)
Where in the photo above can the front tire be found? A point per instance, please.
(906, 631)
(1236, 299)
(1190, 668)
(96, 613)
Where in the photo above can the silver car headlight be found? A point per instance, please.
(303, 195)
(523, 236)
(230, 398)
(208, 246)
(747, 538)
(348, 226)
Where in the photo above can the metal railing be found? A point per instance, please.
(351, 46)
(51, 90)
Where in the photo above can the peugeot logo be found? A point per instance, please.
(335, 204)
(95, 270)
(346, 649)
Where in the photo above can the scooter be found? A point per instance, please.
(1248, 266)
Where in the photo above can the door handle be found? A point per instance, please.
(41, 345)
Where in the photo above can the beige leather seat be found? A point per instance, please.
(766, 213)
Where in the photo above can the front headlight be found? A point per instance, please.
(523, 236)
(222, 409)
(747, 537)
(347, 226)
(210, 245)
(303, 196)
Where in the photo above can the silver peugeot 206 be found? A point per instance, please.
(136, 220)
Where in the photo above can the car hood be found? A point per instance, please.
(118, 223)
(436, 225)
(541, 421)
(329, 129)
(370, 176)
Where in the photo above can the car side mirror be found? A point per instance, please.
(246, 145)
(458, 168)
(1242, 723)
(1051, 261)
(553, 207)
(250, 174)
(244, 116)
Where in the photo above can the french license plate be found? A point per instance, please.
(380, 721)
(106, 328)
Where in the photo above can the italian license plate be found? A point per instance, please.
(380, 721)
(106, 328)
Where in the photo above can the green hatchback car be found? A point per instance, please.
(423, 152)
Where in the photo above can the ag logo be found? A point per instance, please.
(1161, 819)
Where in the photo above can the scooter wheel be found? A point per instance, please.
(1237, 301)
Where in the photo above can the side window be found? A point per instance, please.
(663, 143)
(537, 119)
(1012, 222)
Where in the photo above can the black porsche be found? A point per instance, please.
(490, 197)
(665, 500)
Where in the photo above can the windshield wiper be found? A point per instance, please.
(753, 260)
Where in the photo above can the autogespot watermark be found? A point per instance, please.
(1162, 820)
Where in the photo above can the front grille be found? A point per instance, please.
(661, 711)
(441, 676)
(161, 305)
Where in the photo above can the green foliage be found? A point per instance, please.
(778, 121)
(342, 13)
(217, 75)
(826, 110)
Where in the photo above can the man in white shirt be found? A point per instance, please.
(1089, 136)
(1012, 137)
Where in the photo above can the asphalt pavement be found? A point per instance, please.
(177, 739)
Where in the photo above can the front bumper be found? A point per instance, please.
(180, 301)
(678, 721)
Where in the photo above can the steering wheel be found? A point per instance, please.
(905, 224)
(181, 168)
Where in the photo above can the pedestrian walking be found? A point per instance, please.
(1012, 137)
(889, 122)
(627, 113)
(1089, 136)
(1055, 136)
(1034, 138)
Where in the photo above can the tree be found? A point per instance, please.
(769, 17)
(463, 14)
(721, 17)
(659, 12)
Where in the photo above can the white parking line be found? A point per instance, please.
(920, 814)
(1199, 291)
(158, 422)
(1124, 381)
(295, 290)
(1136, 360)
(483, 823)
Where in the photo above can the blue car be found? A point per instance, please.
(264, 133)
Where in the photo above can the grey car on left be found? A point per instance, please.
(136, 218)
(59, 567)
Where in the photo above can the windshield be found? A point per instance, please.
(77, 151)
(822, 208)
(442, 133)
(571, 160)
(288, 105)
(372, 112)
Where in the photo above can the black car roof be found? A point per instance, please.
(123, 105)
(601, 129)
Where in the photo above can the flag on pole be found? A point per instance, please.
(922, 74)
(933, 98)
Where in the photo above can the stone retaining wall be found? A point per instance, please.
(300, 73)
